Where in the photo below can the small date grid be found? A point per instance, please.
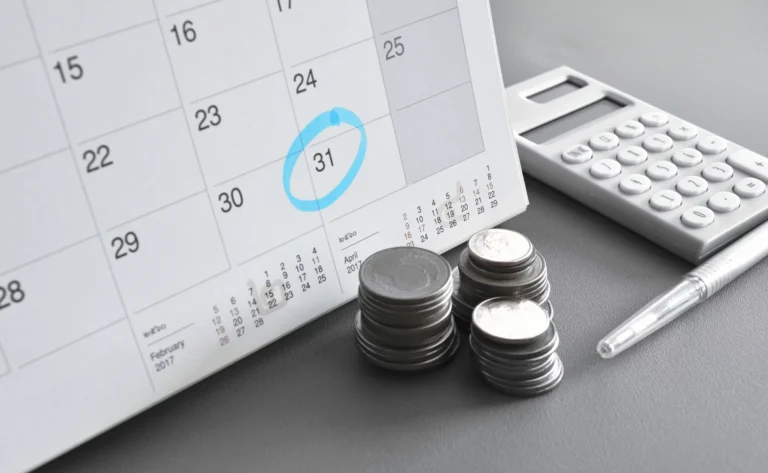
(186, 179)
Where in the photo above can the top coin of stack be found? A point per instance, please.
(500, 262)
(405, 321)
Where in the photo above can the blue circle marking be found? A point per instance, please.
(331, 118)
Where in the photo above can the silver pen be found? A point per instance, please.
(696, 287)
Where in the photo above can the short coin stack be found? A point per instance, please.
(498, 263)
(405, 322)
(514, 344)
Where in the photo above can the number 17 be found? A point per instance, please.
(280, 4)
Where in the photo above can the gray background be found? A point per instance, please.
(692, 398)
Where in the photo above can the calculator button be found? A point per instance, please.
(712, 145)
(661, 171)
(654, 119)
(692, 185)
(605, 169)
(750, 163)
(630, 129)
(717, 172)
(666, 200)
(657, 143)
(698, 217)
(577, 154)
(635, 184)
(632, 155)
(687, 157)
(724, 202)
(683, 132)
(604, 141)
(749, 188)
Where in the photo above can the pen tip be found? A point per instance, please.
(605, 350)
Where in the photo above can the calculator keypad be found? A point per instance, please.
(749, 188)
(717, 172)
(698, 217)
(669, 157)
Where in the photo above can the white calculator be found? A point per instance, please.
(682, 187)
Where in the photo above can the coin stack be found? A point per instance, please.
(405, 321)
(514, 344)
(498, 263)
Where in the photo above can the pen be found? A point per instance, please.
(696, 287)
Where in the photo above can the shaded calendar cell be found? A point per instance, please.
(243, 129)
(139, 169)
(116, 81)
(331, 25)
(44, 210)
(146, 254)
(60, 299)
(380, 173)
(17, 43)
(220, 46)
(350, 79)
(29, 124)
(255, 214)
(94, 19)
(387, 15)
(423, 59)
(72, 394)
(438, 133)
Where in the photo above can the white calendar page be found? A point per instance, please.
(185, 181)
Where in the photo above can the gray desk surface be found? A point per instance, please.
(692, 398)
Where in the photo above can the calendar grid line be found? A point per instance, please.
(235, 87)
(154, 211)
(33, 160)
(250, 171)
(178, 293)
(349, 130)
(102, 36)
(386, 96)
(64, 127)
(72, 342)
(369, 203)
(434, 95)
(49, 254)
(189, 133)
(130, 125)
(469, 72)
(360, 241)
(278, 246)
(418, 21)
(196, 7)
(18, 62)
(303, 145)
(333, 52)
(5, 359)
(153, 342)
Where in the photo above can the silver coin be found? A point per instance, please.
(437, 360)
(507, 320)
(547, 384)
(404, 316)
(497, 247)
(522, 354)
(405, 275)
(407, 337)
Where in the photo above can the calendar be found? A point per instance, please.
(186, 181)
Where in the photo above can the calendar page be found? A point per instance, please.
(185, 181)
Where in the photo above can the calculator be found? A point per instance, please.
(680, 186)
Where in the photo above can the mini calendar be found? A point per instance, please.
(186, 181)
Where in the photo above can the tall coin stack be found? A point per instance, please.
(514, 344)
(405, 321)
(498, 263)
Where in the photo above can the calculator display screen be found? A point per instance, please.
(575, 119)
